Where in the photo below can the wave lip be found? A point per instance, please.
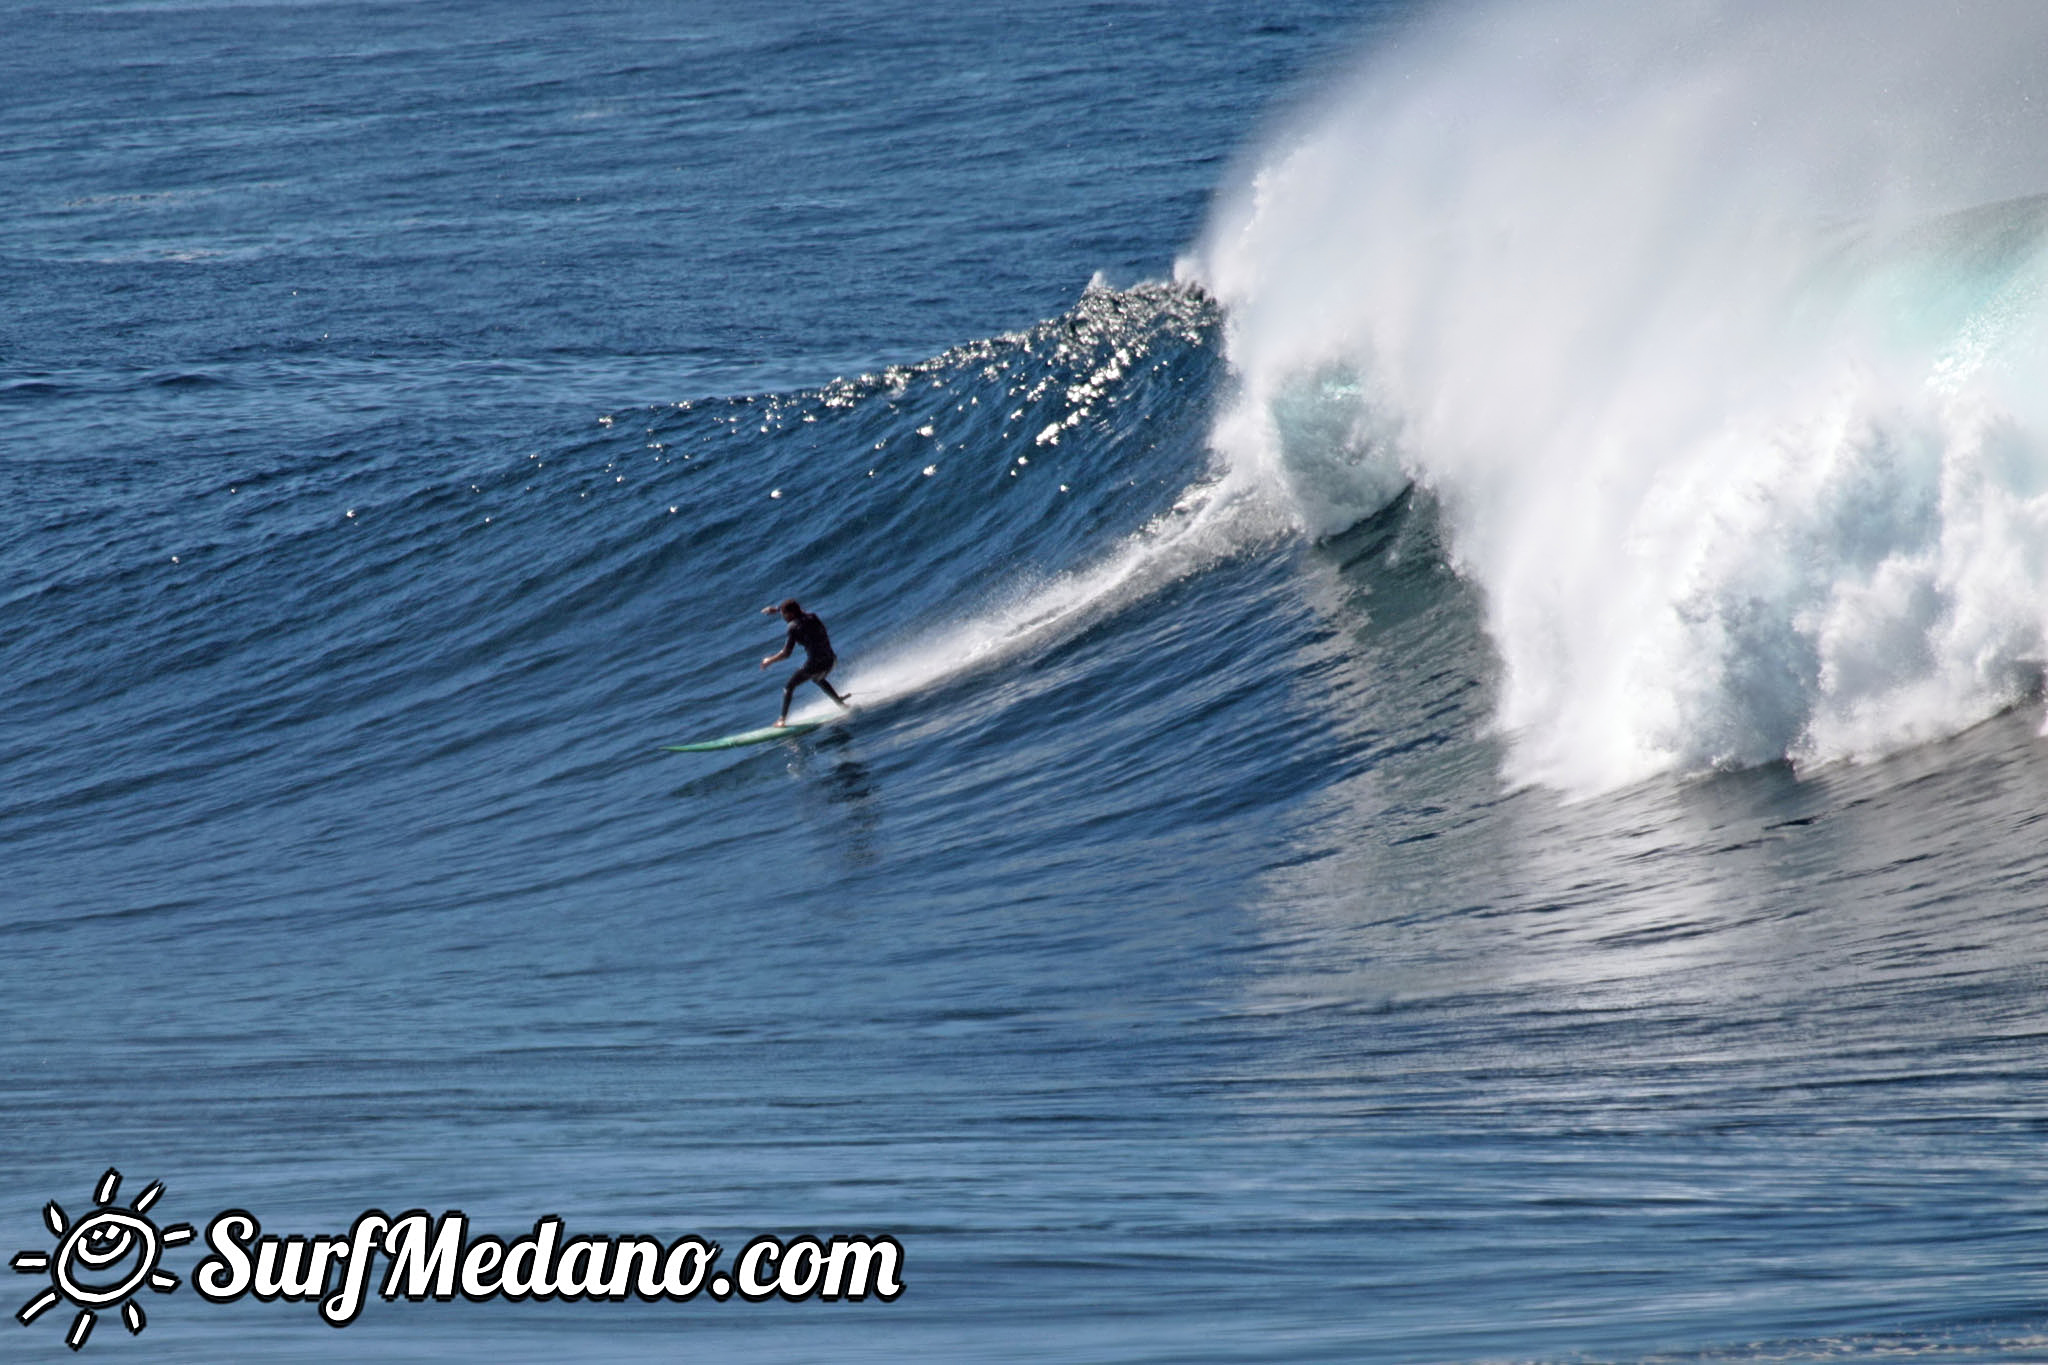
(1718, 331)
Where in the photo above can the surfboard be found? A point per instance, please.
(746, 737)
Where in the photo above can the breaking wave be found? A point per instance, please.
(1716, 329)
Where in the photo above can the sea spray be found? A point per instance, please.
(1716, 329)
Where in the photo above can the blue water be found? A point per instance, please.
(408, 408)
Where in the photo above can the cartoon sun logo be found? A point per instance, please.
(102, 1259)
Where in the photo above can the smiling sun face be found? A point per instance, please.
(102, 1259)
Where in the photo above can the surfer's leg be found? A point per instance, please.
(789, 690)
(820, 681)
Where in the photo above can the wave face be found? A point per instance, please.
(1717, 328)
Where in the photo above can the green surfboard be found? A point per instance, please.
(746, 737)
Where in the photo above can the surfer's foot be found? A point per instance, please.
(782, 721)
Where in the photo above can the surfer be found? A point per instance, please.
(807, 630)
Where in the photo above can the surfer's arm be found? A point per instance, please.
(788, 645)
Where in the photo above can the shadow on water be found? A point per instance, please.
(738, 770)
(841, 789)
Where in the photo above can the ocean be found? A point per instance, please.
(1446, 608)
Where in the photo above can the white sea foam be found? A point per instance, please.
(1733, 393)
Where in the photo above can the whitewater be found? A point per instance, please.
(1717, 328)
(1445, 602)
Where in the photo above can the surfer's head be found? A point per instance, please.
(790, 609)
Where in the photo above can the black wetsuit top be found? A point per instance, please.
(808, 631)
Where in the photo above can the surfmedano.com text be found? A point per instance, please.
(437, 1258)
